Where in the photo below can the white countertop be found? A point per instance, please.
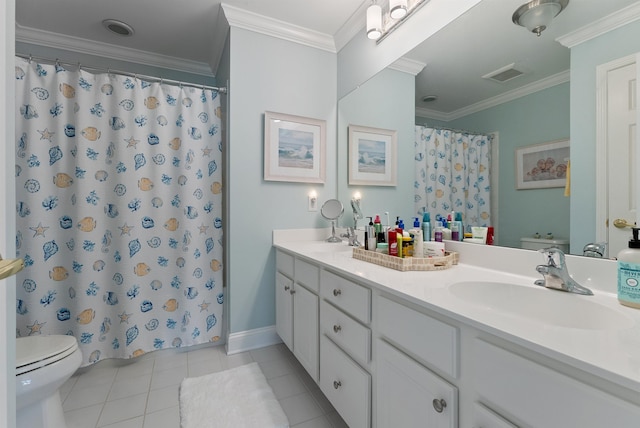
(610, 353)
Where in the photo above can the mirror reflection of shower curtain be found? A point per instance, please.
(119, 211)
(453, 174)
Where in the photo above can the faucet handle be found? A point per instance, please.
(553, 256)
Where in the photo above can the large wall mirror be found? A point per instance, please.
(535, 107)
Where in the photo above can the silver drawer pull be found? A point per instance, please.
(439, 405)
(336, 328)
(337, 292)
(337, 384)
(287, 288)
(292, 291)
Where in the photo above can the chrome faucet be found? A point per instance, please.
(352, 236)
(594, 249)
(556, 275)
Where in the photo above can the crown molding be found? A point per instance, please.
(407, 65)
(529, 89)
(597, 28)
(355, 24)
(244, 19)
(89, 47)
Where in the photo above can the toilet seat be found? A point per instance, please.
(34, 352)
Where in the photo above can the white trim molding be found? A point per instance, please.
(90, 47)
(252, 339)
(244, 19)
(529, 89)
(610, 22)
(406, 65)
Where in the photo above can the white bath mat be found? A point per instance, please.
(238, 398)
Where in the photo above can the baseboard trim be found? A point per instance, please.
(252, 339)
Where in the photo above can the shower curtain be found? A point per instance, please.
(119, 211)
(453, 174)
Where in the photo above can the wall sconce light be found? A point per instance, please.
(397, 8)
(381, 20)
(374, 21)
(313, 201)
(537, 15)
(357, 197)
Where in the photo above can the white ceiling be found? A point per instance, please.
(192, 33)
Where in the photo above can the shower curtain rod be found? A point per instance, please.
(221, 89)
(463, 131)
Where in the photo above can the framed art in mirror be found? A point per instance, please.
(372, 156)
(542, 165)
(294, 148)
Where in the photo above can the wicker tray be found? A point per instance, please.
(408, 263)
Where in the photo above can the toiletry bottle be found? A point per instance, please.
(377, 224)
(460, 225)
(629, 273)
(455, 233)
(366, 234)
(438, 232)
(392, 241)
(446, 232)
(416, 233)
(372, 236)
(426, 227)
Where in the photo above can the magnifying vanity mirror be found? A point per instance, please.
(332, 210)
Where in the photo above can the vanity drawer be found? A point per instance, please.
(345, 384)
(536, 395)
(284, 263)
(348, 333)
(307, 275)
(429, 339)
(347, 295)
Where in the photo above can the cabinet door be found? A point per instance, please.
(305, 330)
(409, 395)
(284, 309)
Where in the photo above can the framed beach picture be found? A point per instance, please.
(294, 148)
(372, 156)
(542, 165)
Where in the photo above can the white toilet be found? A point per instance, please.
(530, 243)
(43, 364)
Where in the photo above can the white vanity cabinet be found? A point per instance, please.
(408, 394)
(297, 309)
(532, 394)
(345, 347)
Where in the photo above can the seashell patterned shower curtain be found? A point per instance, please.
(119, 203)
(453, 174)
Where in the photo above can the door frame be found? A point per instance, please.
(602, 143)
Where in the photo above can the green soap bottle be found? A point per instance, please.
(629, 273)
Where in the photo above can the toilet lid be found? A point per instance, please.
(33, 352)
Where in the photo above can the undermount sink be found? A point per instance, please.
(549, 307)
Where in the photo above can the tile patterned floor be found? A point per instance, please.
(143, 393)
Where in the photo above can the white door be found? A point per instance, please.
(621, 148)
(284, 309)
(616, 154)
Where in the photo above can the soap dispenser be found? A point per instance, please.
(629, 273)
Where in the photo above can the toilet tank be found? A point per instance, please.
(530, 243)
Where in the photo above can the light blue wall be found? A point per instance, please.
(536, 118)
(369, 105)
(584, 60)
(269, 74)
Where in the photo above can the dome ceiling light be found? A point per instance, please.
(537, 15)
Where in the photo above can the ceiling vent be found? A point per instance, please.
(504, 74)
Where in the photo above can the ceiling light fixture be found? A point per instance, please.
(537, 15)
(118, 27)
(429, 98)
(382, 20)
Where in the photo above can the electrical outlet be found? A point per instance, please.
(313, 203)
